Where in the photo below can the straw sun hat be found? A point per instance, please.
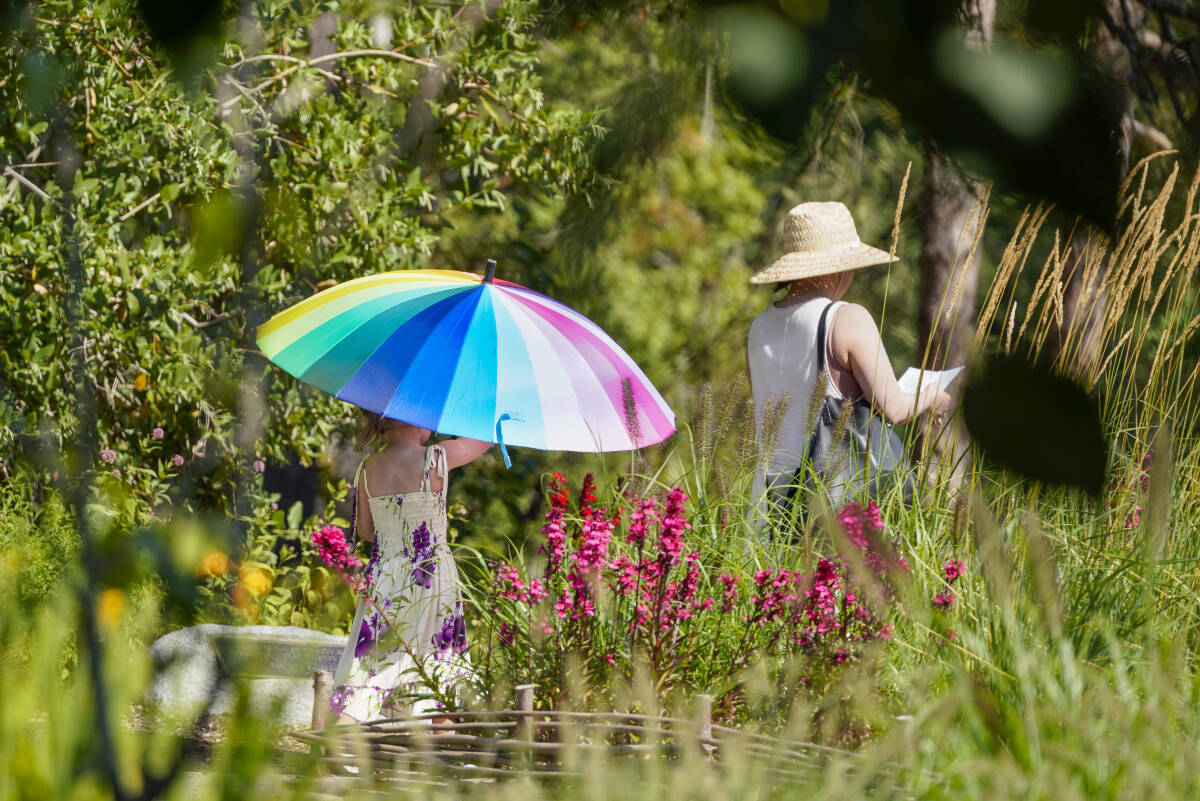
(820, 239)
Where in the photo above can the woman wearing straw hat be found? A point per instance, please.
(810, 353)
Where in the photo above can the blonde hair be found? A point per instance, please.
(373, 426)
(370, 429)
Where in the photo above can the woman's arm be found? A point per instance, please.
(464, 451)
(857, 344)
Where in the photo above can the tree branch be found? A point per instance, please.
(139, 207)
(37, 190)
(1176, 7)
(303, 62)
(1152, 134)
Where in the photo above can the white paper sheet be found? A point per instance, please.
(939, 378)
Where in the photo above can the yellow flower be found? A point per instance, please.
(214, 563)
(109, 607)
(256, 580)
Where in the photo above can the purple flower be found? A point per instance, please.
(422, 557)
(108, 455)
(367, 634)
(259, 466)
(453, 634)
(116, 473)
(158, 432)
(177, 460)
(339, 700)
(944, 600)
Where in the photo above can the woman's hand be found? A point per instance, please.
(940, 406)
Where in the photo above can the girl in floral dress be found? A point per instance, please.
(408, 631)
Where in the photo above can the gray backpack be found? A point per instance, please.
(853, 455)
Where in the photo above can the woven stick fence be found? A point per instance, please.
(505, 744)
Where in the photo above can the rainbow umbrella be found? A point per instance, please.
(473, 357)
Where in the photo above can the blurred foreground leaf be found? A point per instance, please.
(1040, 425)
(187, 31)
(1035, 115)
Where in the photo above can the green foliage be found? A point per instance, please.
(39, 543)
(1061, 665)
(276, 578)
(348, 183)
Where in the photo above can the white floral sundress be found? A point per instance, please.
(412, 618)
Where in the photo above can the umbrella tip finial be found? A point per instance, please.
(491, 272)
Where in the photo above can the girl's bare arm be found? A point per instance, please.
(464, 451)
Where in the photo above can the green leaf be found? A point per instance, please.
(295, 516)
(170, 192)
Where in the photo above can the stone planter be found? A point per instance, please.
(273, 655)
(198, 670)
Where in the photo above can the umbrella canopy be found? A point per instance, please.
(469, 356)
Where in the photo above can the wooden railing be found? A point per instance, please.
(524, 741)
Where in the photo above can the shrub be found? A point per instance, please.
(626, 588)
(276, 578)
(38, 541)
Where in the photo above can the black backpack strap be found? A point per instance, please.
(822, 334)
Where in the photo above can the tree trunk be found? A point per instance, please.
(950, 216)
(949, 212)
(1078, 342)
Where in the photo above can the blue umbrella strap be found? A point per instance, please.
(500, 435)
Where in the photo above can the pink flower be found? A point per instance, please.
(554, 528)
(953, 570)
(1134, 518)
(259, 466)
(116, 473)
(851, 518)
(510, 585)
(874, 516)
(335, 551)
(729, 597)
(674, 523)
(944, 600)
(645, 513)
(537, 591)
(596, 532)
(108, 455)
(610, 659)
(177, 460)
(587, 496)
(158, 432)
